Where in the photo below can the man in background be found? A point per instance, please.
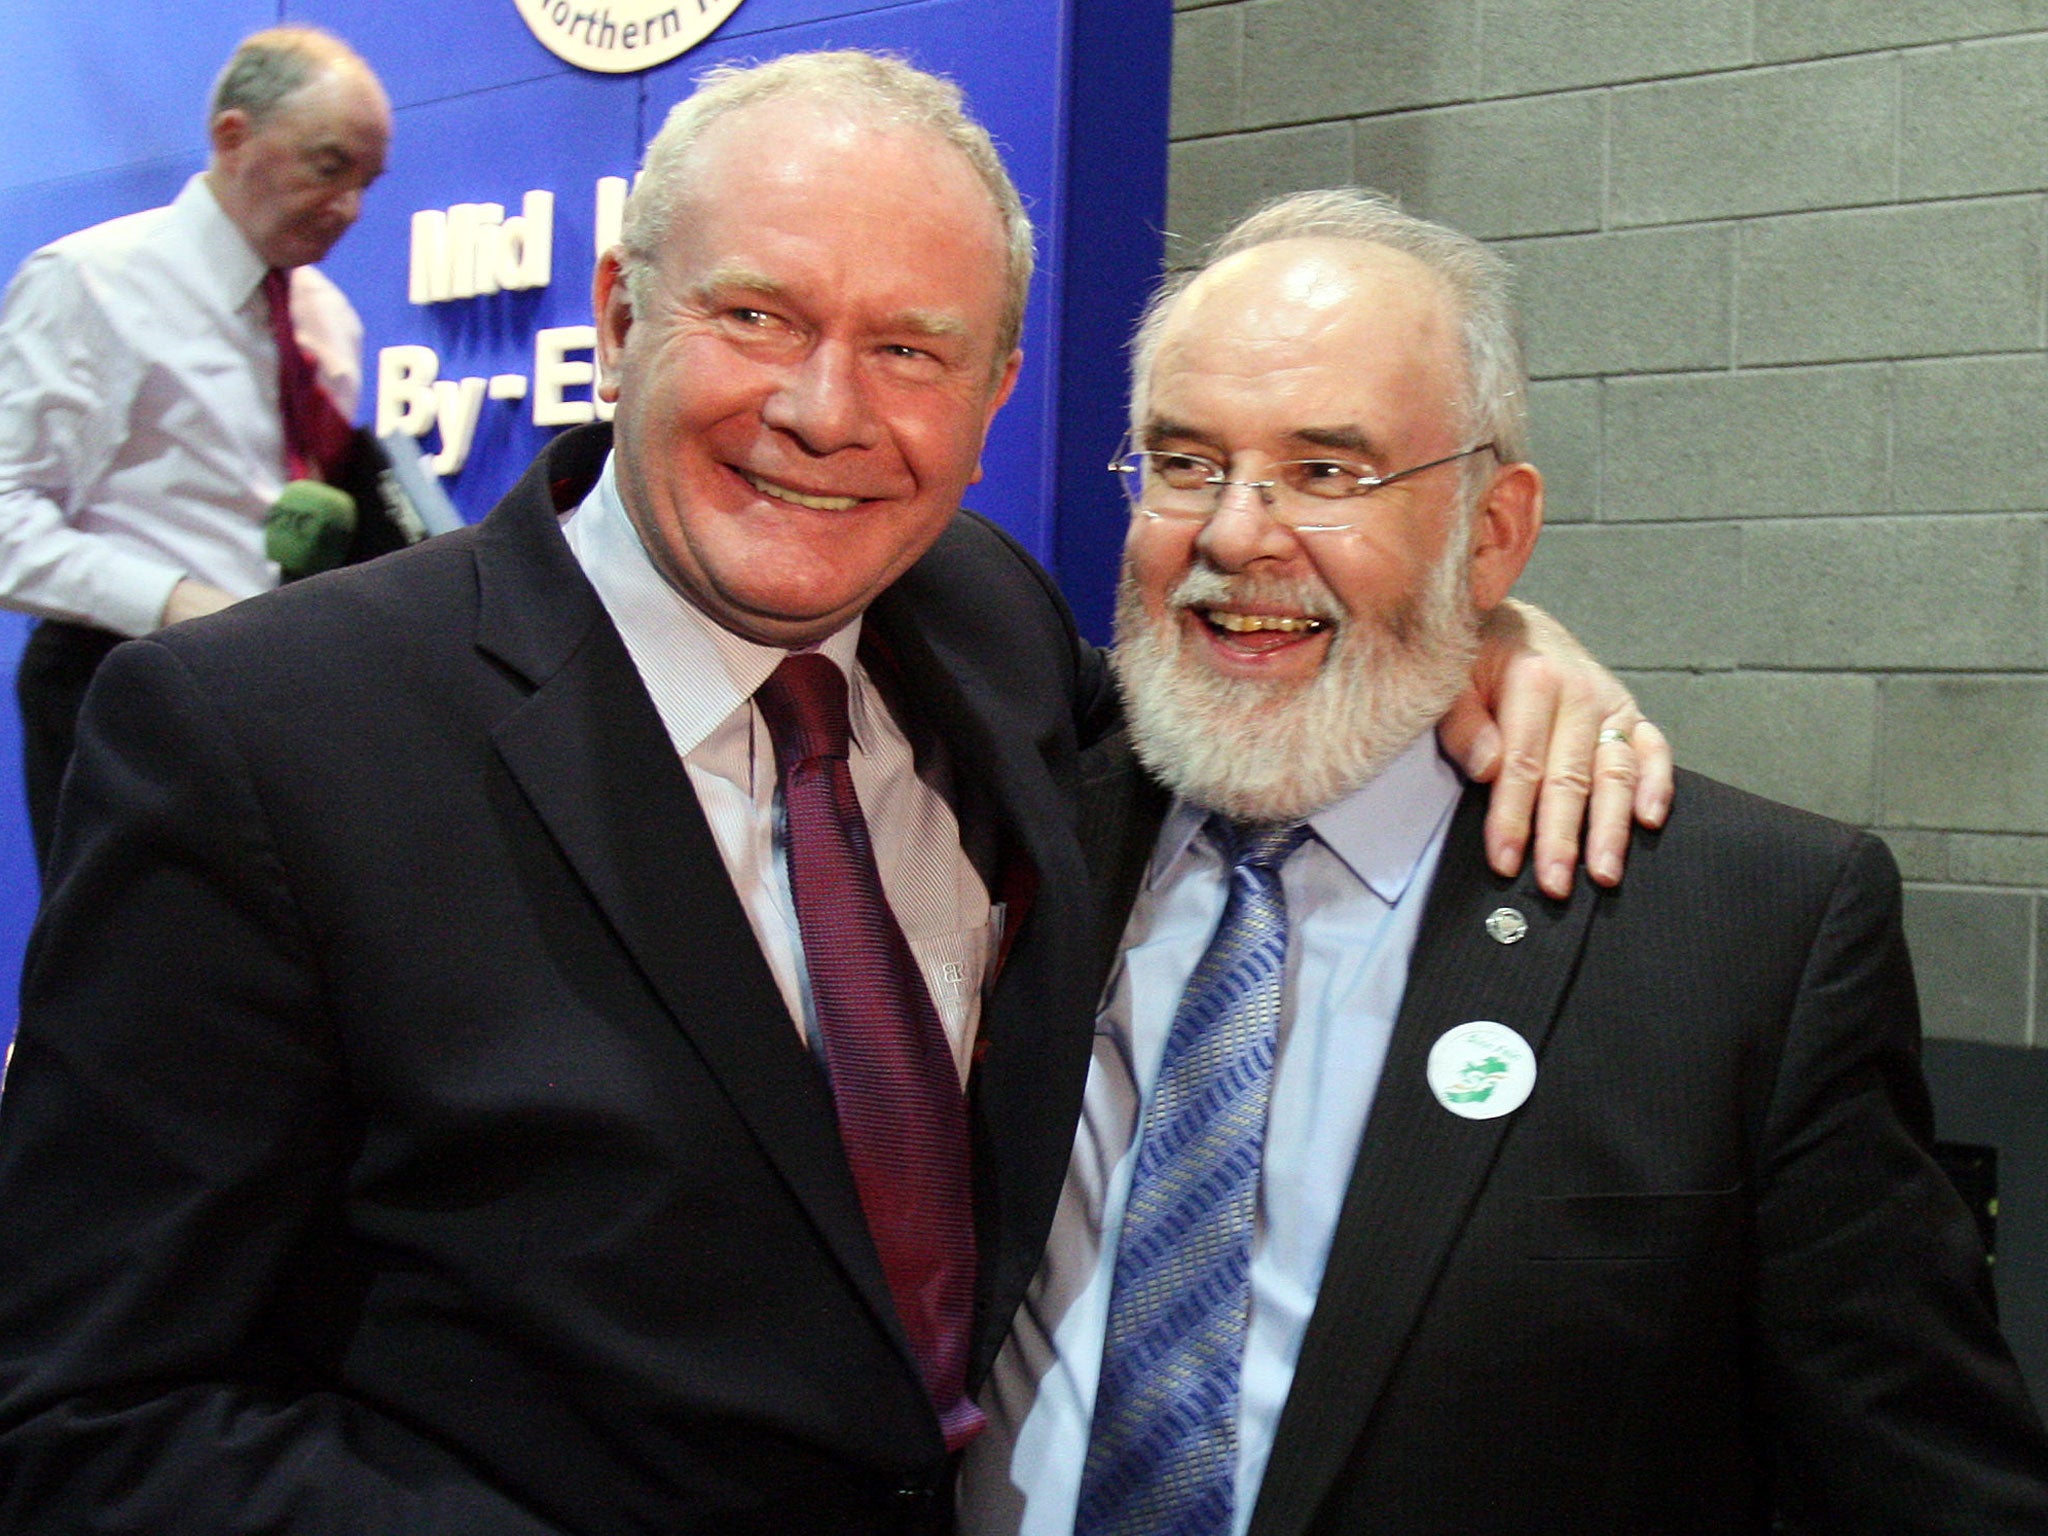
(164, 375)
(1405, 1199)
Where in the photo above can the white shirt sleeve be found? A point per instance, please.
(67, 382)
(140, 437)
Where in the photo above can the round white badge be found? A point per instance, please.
(1481, 1070)
(623, 37)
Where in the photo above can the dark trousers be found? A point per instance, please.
(56, 666)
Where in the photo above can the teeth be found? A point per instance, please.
(797, 498)
(1249, 623)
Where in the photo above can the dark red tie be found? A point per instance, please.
(902, 1117)
(316, 434)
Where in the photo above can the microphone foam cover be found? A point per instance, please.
(308, 528)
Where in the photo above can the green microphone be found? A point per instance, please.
(308, 528)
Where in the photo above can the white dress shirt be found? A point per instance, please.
(140, 439)
(1355, 894)
(702, 678)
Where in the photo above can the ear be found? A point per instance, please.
(614, 311)
(228, 132)
(1504, 531)
(997, 397)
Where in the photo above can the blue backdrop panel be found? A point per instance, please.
(1109, 249)
(430, 53)
(759, 19)
(106, 113)
(34, 214)
(89, 87)
(555, 133)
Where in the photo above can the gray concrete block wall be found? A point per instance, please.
(1784, 268)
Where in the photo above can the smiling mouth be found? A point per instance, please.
(1262, 623)
(776, 492)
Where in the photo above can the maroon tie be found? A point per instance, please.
(902, 1117)
(316, 434)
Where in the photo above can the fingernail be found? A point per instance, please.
(1486, 750)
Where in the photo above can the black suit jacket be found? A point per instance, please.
(405, 1132)
(1707, 1276)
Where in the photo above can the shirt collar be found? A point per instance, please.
(698, 671)
(1380, 831)
(226, 262)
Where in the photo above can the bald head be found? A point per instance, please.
(269, 66)
(1365, 321)
(1493, 393)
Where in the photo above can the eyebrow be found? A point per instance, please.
(929, 322)
(1341, 440)
(728, 278)
(738, 279)
(1160, 428)
(1337, 439)
(336, 150)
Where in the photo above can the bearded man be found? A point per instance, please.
(1406, 1198)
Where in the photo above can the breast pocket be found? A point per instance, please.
(1665, 1224)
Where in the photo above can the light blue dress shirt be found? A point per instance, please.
(1355, 894)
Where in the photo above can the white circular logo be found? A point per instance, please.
(1481, 1070)
(617, 37)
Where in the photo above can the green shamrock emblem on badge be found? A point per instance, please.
(1475, 1084)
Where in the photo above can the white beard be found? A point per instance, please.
(1270, 752)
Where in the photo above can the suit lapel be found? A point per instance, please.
(1122, 807)
(588, 751)
(1419, 1168)
(1032, 1052)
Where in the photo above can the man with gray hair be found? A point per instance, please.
(1406, 1199)
(576, 1028)
(165, 374)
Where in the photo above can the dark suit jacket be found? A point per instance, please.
(405, 1132)
(1707, 1272)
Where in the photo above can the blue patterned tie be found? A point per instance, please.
(1162, 1450)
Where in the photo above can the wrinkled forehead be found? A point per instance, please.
(339, 101)
(1344, 331)
(829, 149)
(890, 214)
